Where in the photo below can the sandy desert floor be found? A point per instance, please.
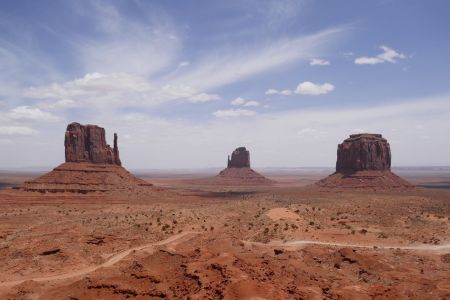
(196, 242)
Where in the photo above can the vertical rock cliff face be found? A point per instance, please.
(364, 162)
(240, 158)
(87, 143)
(363, 152)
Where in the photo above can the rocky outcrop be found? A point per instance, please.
(364, 162)
(240, 158)
(363, 152)
(237, 172)
(87, 143)
(91, 166)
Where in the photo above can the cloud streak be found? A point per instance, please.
(388, 55)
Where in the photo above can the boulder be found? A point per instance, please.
(87, 143)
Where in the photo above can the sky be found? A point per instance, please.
(184, 83)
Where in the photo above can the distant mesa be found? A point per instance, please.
(91, 165)
(238, 171)
(364, 161)
(240, 158)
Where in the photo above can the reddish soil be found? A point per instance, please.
(268, 242)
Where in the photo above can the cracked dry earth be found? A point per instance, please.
(277, 243)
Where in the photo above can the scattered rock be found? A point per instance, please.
(50, 252)
(96, 240)
(278, 251)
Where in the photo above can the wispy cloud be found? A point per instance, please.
(31, 114)
(122, 44)
(388, 55)
(277, 92)
(17, 130)
(234, 113)
(224, 66)
(241, 101)
(319, 62)
(204, 97)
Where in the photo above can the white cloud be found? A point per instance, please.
(241, 101)
(319, 62)
(58, 104)
(17, 130)
(183, 64)
(238, 101)
(309, 88)
(98, 89)
(277, 92)
(31, 114)
(306, 131)
(252, 103)
(234, 113)
(388, 55)
(92, 84)
(204, 97)
(286, 92)
(271, 92)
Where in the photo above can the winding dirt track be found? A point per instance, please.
(300, 243)
(111, 261)
(171, 240)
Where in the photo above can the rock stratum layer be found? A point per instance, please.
(85, 178)
(91, 166)
(364, 161)
(87, 143)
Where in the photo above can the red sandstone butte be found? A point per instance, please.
(87, 143)
(240, 158)
(364, 161)
(363, 152)
(91, 166)
(238, 171)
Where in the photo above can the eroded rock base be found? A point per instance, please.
(85, 178)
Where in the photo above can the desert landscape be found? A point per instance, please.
(224, 150)
(79, 232)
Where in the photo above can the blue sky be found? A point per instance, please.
(185, 82)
